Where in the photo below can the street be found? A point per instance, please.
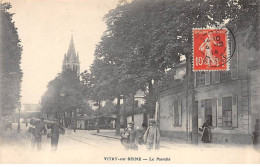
(84, 147)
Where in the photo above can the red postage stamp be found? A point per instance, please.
(210, 50)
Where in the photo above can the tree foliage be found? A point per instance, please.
(10, 59)
(146, 37)
(64, 94)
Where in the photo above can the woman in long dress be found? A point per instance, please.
(206, 134)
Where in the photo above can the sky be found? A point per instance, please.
(45, 28)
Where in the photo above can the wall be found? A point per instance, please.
(254, 97)
(167, 125)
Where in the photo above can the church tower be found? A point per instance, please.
(71, 59)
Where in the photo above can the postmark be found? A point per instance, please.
(210, 50)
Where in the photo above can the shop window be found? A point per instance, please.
(227, 112)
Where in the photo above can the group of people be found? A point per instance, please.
(150, 136)
(39, 129)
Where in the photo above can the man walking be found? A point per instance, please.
(40, 129)
(128, 137)
(54, 135)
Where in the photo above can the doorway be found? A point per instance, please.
(208, 110)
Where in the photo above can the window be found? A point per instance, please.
(207, 77)
(225, 75)
(227, 112)
(136, 103)
(208, 110)
(74, 67)
(217, 76)
(200, 77)
(177, 113)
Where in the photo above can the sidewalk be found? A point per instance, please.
(165, 142)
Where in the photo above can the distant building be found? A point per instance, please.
(29, 108)
(71, 59)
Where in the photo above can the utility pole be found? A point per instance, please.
(191, 100)
(133, 108)
(19, 116)
(118, 116)
(124, 112)
(99, 107)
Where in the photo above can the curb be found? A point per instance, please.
(97, 134)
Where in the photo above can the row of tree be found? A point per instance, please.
(10, 60)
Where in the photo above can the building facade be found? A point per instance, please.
(229, 99)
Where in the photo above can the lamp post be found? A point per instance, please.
(19, 110)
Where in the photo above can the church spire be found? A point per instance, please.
(71, 59)
(71, 50)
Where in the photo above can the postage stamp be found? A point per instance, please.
(210, 50)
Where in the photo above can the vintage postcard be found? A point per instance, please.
(129, 82)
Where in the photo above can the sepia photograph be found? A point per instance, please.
(129, 82)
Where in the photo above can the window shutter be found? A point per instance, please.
(202, 109)
(173, 115)
(214, 112)
(219, 111)
(180, 111)
(207, 78)
(213, 76)
(195, 79)
(234, 112)
(217, 76)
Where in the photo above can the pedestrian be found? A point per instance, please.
(141, 138)
(128, 137)
(206, 132)
(55, 132)
(74, 125)
(31, 131)
(40, 129)
(7, 123)
(256, 134)
(152, 136)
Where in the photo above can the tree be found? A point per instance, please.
(64, 94)
(10, 59)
